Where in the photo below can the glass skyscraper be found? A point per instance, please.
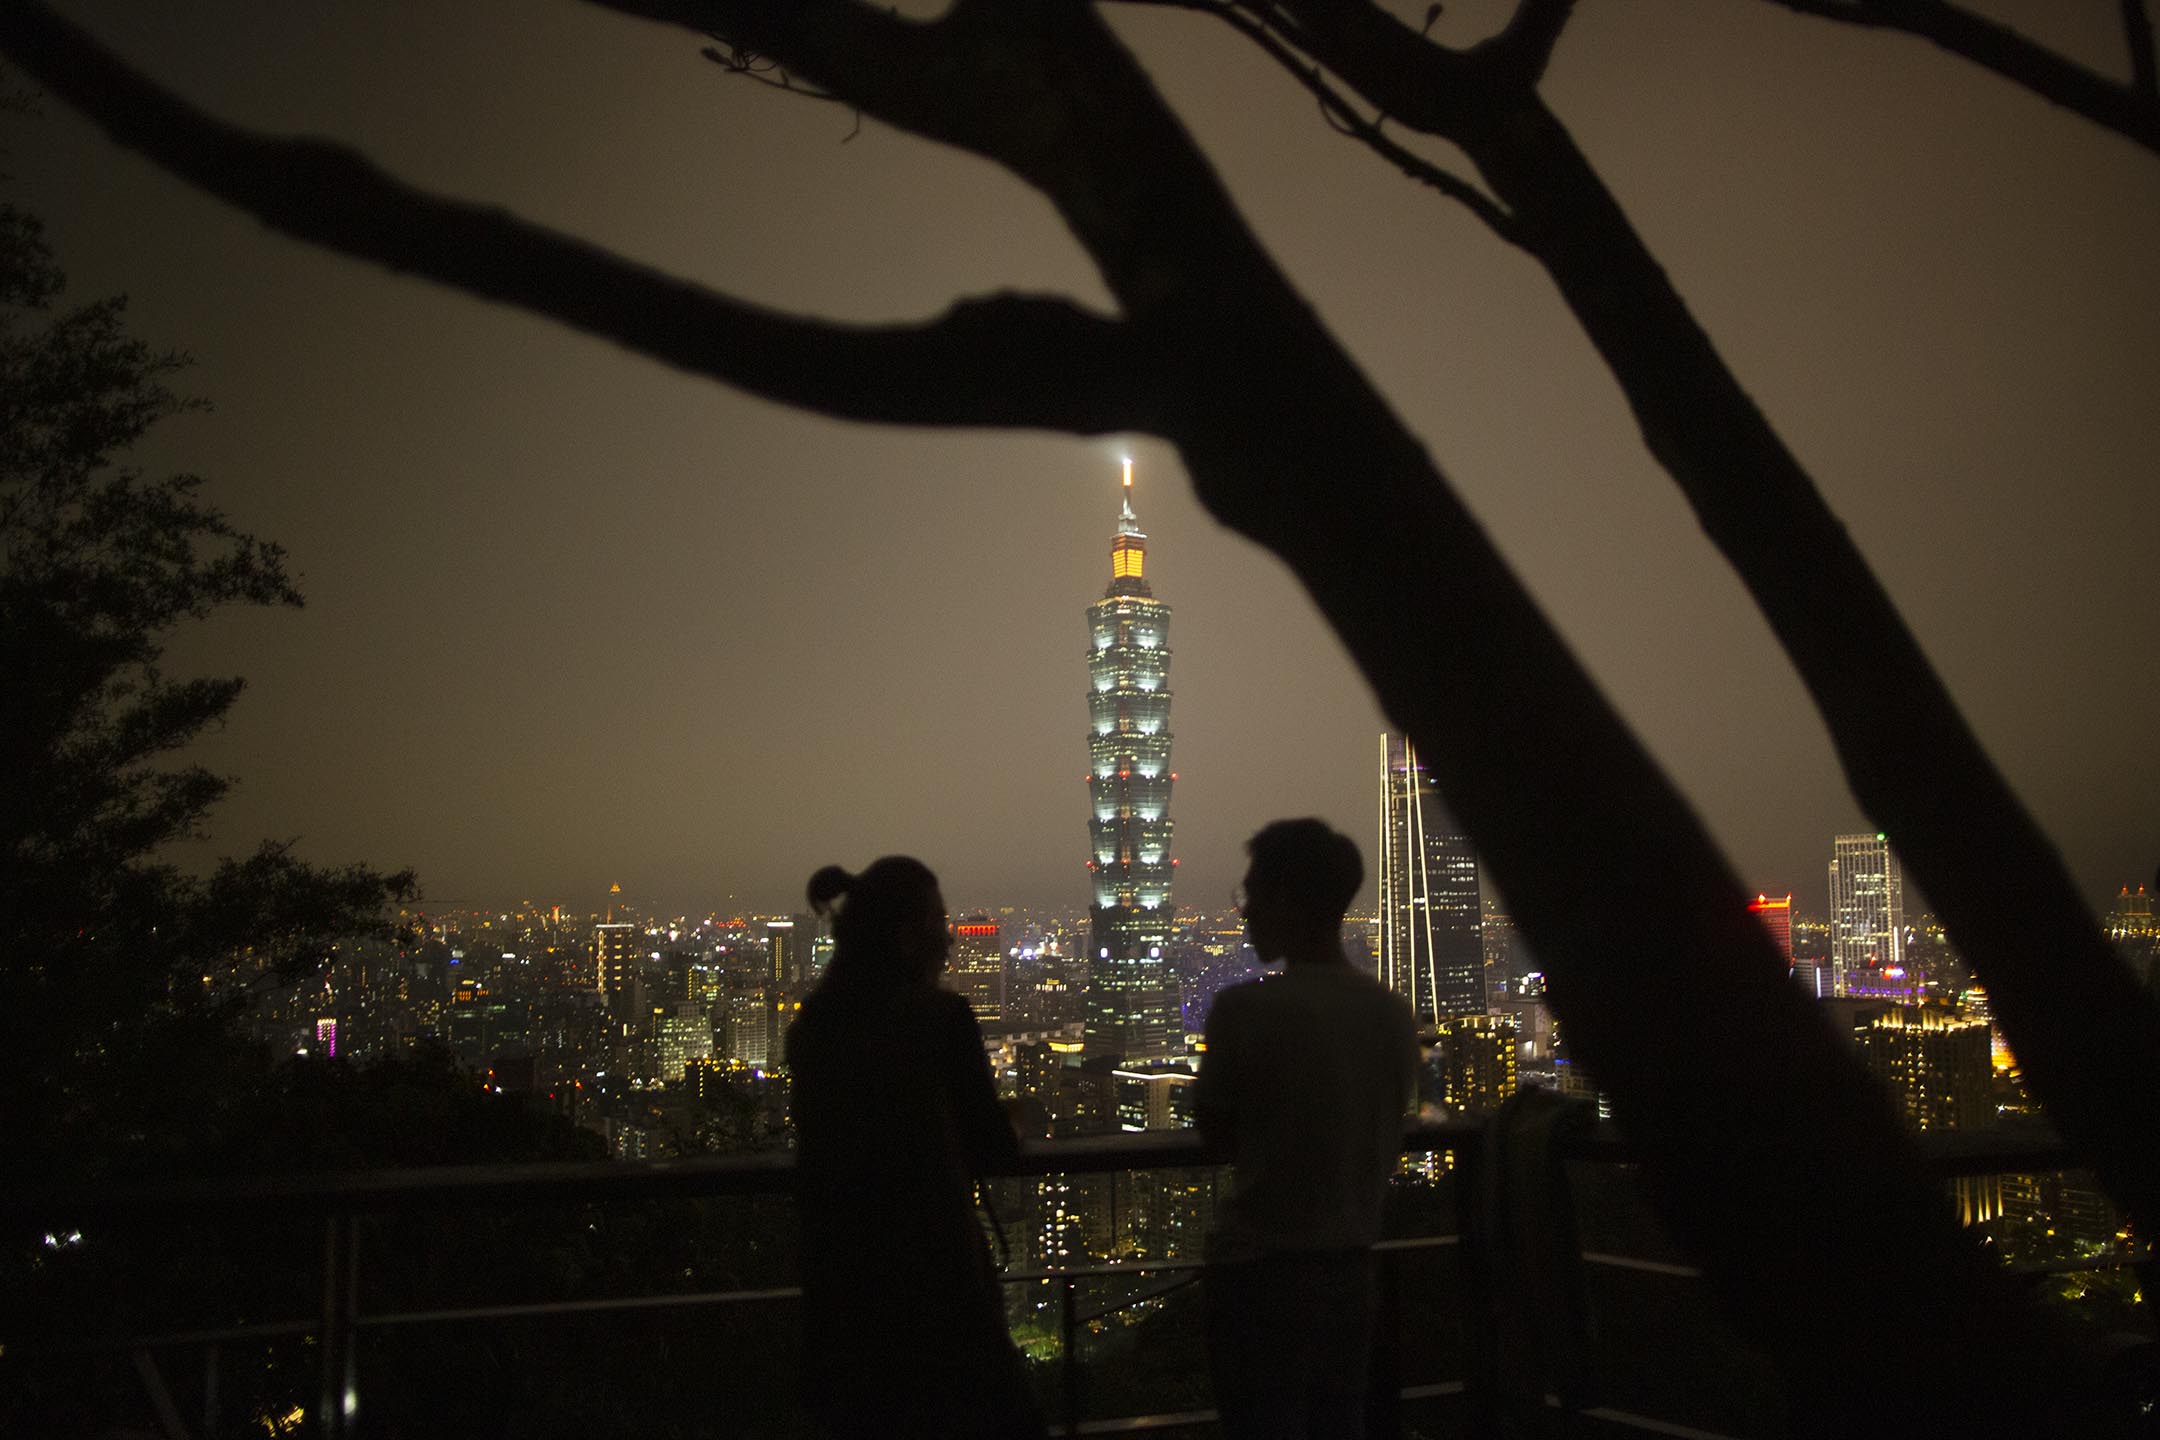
(1132, 993)
(1431, 932)
(1867, 917)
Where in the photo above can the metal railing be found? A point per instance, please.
(339, 1202)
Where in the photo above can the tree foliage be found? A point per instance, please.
(101, 936)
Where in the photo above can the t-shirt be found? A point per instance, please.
(1315, 1069)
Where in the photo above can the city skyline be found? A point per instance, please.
(577, 620)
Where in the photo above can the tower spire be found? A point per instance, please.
(1128, 548)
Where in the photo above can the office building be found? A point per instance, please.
(1431, 940)
(1132, 1007)
(1937, 1066)
(681, 1035)
(749, 1029)
(1867, 918)
(976, 971)
(1939, 1071)
(1473, 1066)
(615, 960)
(787, 960)
(1775, 913)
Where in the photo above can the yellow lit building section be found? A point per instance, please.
(1126, 559)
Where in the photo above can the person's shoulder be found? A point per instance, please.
(1233, 1001)
(1242, 995)
(1381, 1000)
(944, 1009)
(1396, 1009)
(806, 1031)
(1348, 978)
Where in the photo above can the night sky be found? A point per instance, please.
(576, 619)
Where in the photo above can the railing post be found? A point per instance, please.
(210, 1391)
(1479, 1318)
(1384, 1377)
(341, 1282)
(1069, 1351)
(2147, 1271)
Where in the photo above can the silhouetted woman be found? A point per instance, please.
(903, 1318)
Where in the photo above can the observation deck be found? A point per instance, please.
(372, 1281)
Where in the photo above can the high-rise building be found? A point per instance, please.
(1867, 918)
(1507, 958)
(680, 1036)
(480, 1024)
(1936, 1065)
(749, 1025)
(785, 959)
(1938, 1069)
(782, 979)
(1472, 1069)
(976, 972)
(615, 959)
(1775, 913)
(1132, 1008)
(1432, 946)
(2135, 933)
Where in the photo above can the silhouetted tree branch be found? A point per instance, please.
(2132, 110)
(1914, 764)
(2138, 37)
(1344, 117)
(1768, 1152)
(1519, 53)
(1003, 360)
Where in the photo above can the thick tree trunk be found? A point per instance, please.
(1770, 1155)
(1769, 1152)
(1914, 764)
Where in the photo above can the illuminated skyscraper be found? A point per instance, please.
(615, 960)
(1132, 996)
(786, 956)
(976, 972)
(1867, 917)
(1938, 1070)
(1473, 1066)
(1775, 912)
(786, 961)
(1432, 947)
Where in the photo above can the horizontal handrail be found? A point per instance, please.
(1946, 1154)
(1187, 1270)
(1182, 1267)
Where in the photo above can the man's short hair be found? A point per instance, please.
(1306, 866)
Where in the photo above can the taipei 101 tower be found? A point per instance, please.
(1132, 992)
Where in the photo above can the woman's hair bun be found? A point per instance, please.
(828, 885)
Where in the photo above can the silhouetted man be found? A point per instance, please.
(1304, 1087)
